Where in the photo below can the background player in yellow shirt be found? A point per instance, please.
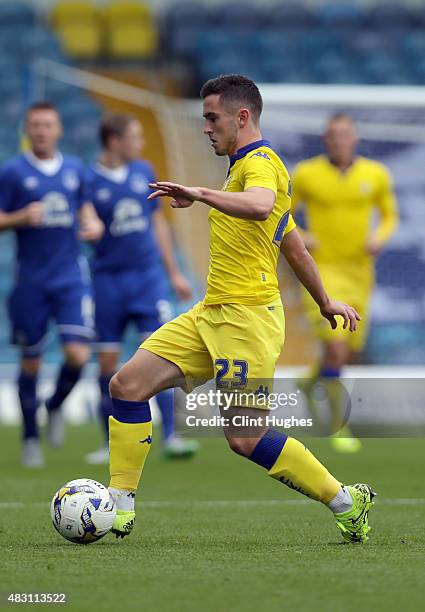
(341, 191)
(236, 333)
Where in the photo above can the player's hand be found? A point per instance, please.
(91, 229)
(374, 246)
(181, 196)
(181, 286)
(32, 214)
(349, 314)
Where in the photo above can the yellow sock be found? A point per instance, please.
(299, 469)
(129, 445)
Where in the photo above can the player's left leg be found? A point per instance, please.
(249, 341)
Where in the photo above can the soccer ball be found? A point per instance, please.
(82, 511)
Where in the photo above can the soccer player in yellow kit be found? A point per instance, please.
(236, 333)
(341, 191)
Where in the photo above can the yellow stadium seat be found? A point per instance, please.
(130, 30)
(79, 28)
(68, 11)
(81, 40)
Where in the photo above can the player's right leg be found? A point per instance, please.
(172, 354)
(130, 427)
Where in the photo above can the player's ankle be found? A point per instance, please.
(123, 498)
(342, 502)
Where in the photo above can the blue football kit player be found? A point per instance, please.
(132, 266)
(42, 198)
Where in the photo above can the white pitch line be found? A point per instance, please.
(397, 501)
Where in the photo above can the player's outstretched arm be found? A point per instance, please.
(305, 268)
(255, 203)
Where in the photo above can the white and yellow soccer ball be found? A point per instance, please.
(82, 511)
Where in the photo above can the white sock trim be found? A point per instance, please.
(123, 498)
(342, 502)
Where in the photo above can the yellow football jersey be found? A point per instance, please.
(339, 206)
(243, 252)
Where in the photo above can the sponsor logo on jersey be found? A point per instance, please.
(30, 182)
(56, 210)
(139, 184)
(104, 194)
(128, 217)
(70, 180)
(260, 154)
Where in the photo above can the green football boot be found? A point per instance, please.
(354, 523)
(123, 523)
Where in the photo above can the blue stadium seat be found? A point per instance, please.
(182, 41)
(341, 15)
(413, 45)
(383, 69)
(185, 13)
(16, 14)
(390, 16)
(274, 42)
(290, 15)
(317, 42)
(237, 15)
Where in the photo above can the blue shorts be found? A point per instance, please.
(31, 307)
(129, 296)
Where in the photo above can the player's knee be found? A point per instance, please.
(77, 355)
(241, 446)
(121, 387)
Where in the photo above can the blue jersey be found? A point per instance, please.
(49, 252)
(129, 242)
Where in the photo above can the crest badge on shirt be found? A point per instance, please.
(139, 184)
(104, 194)
(70, 180)
(30, 182)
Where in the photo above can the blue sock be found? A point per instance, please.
(165, 401)
(105, 407)
(131, 412)
(67, 379)
(268, 448)
(27, 385)
(329, 372)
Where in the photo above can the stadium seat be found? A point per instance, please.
(16, 14)
(390, 16)
(341, 15)
(184, 23)
(130, 30)
(236, 16)
(290, 15)
(79, 28)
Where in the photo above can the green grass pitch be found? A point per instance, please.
(216, 533)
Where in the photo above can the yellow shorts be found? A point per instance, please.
(349, 285)
(232, 343)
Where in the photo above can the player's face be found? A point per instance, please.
(43, 128)
(341, 139)
(132, 142)
(220, 126)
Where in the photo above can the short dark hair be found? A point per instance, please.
(114, 125)
(41, 106)
(341, 116)
(235, 89)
